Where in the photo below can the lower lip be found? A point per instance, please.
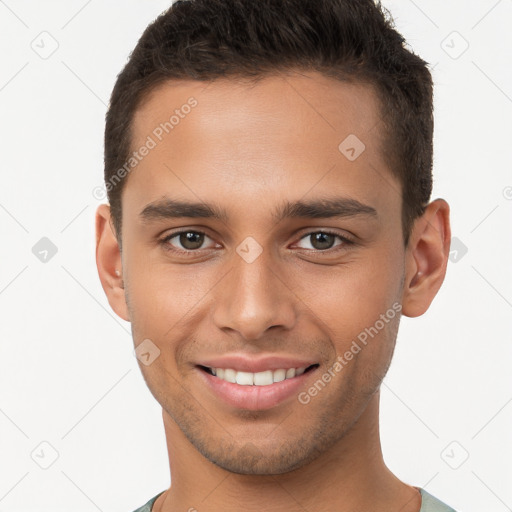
(255, 398)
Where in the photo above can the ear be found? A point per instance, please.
(426, 258)
(108, 260)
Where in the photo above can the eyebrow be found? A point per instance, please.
(314, 209)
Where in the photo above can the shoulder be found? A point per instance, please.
(431, 504)
(147, 507)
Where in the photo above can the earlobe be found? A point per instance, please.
(109, 262)
(426, 258)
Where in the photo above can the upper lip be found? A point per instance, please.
(246, 363)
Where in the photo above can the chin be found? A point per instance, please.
(249, 459)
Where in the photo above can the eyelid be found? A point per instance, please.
(165, 240)
(346, 237)
(346, 240)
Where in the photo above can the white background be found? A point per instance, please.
(68, 376)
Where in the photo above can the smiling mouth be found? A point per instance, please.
(264, 378)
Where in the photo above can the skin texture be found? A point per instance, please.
(248, 148)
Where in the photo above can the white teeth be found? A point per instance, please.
(230, 375)
(264, 378)
(245, 378)
(279, 375)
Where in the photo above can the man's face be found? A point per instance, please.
(254, 285)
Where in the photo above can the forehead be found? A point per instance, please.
(310, 99)
(284, 134)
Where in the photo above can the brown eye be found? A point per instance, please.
(191, 239)
(323, 241)
(186, 241)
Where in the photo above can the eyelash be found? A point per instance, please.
(165, 242)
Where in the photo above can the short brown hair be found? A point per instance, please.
(349, 40)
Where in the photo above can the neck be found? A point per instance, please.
(349, 476)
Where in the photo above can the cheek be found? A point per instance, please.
(350, 297)
(164, 295)
(358, 306)
(167, 307)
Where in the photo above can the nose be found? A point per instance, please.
(253, 298)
